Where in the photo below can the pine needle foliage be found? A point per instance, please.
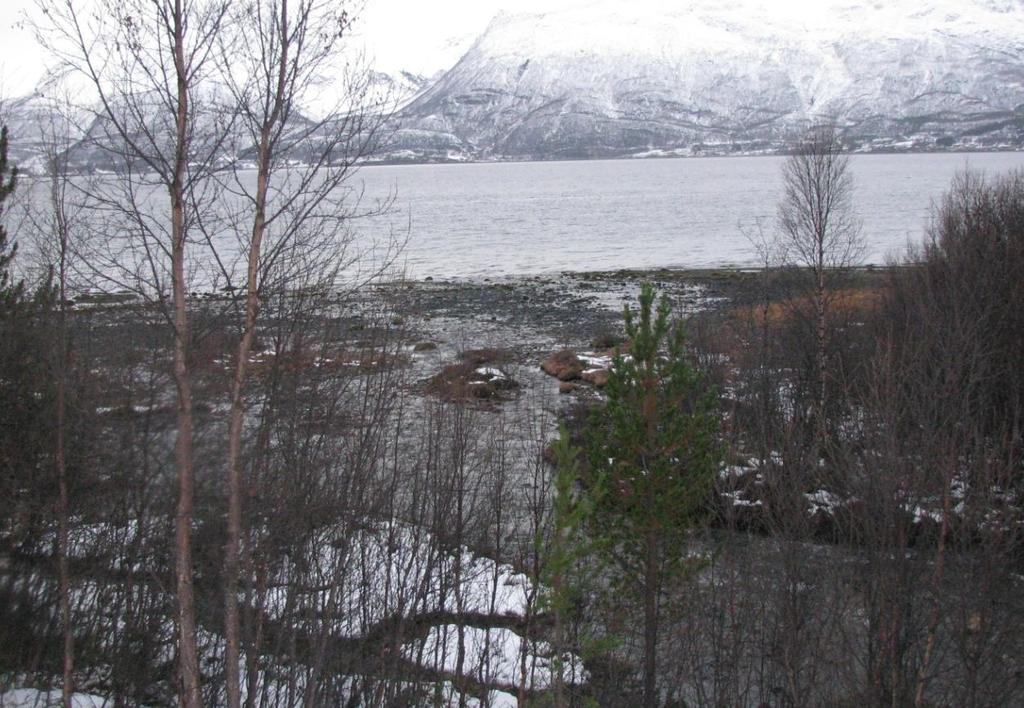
(652, 448)
(651, 456)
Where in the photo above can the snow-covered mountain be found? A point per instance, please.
(608, 78)
(647, 77)
(395, 90)
(90, 141)
(37, 121)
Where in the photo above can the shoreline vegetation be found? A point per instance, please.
(702, 275)
(476, 355)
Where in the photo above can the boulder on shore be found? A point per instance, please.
(564, 365)
(597, 377)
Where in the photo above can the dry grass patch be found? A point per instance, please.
(854, 303)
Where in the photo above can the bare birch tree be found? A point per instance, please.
(146, 61)
(282, 53)
(54, 229)
(820, 233)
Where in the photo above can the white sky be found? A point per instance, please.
(20, 62)
(412, 33)
(416, 35)
(398, 34)
(430, 36)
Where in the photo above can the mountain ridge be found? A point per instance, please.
(601, 80)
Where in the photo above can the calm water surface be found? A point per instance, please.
(541, 217)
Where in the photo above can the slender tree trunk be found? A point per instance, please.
(822, 352)
(62, 550)
(60, 456)
(558, 677)
(188, 654)
(558, 643)
(237, 420)
(460, 632)
(60, 234)
(651, 621)
(252, 676)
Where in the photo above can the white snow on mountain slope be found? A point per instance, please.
(423, 38)
(599, 78)
(36, 120)
(649, 75)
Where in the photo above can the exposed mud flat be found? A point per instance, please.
(524, 319)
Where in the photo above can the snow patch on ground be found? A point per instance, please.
(737, 499)
(595, 362)
(34, 698)
(492, 656)
(399, 569)
(824, 501)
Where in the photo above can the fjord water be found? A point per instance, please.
(517, 218)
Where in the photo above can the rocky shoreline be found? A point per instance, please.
(483, 341)
(532, 316)
(543, 346)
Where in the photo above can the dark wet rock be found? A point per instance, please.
(366, 360)
(563, 365)
(606, 341)
(369, 362)
(464, 382)
(486, 355)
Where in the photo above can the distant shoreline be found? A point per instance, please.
(29, 167)
(957, 150)
(704, 275)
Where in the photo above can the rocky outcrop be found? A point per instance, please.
(567, 366)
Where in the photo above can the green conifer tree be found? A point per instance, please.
(652, 454)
